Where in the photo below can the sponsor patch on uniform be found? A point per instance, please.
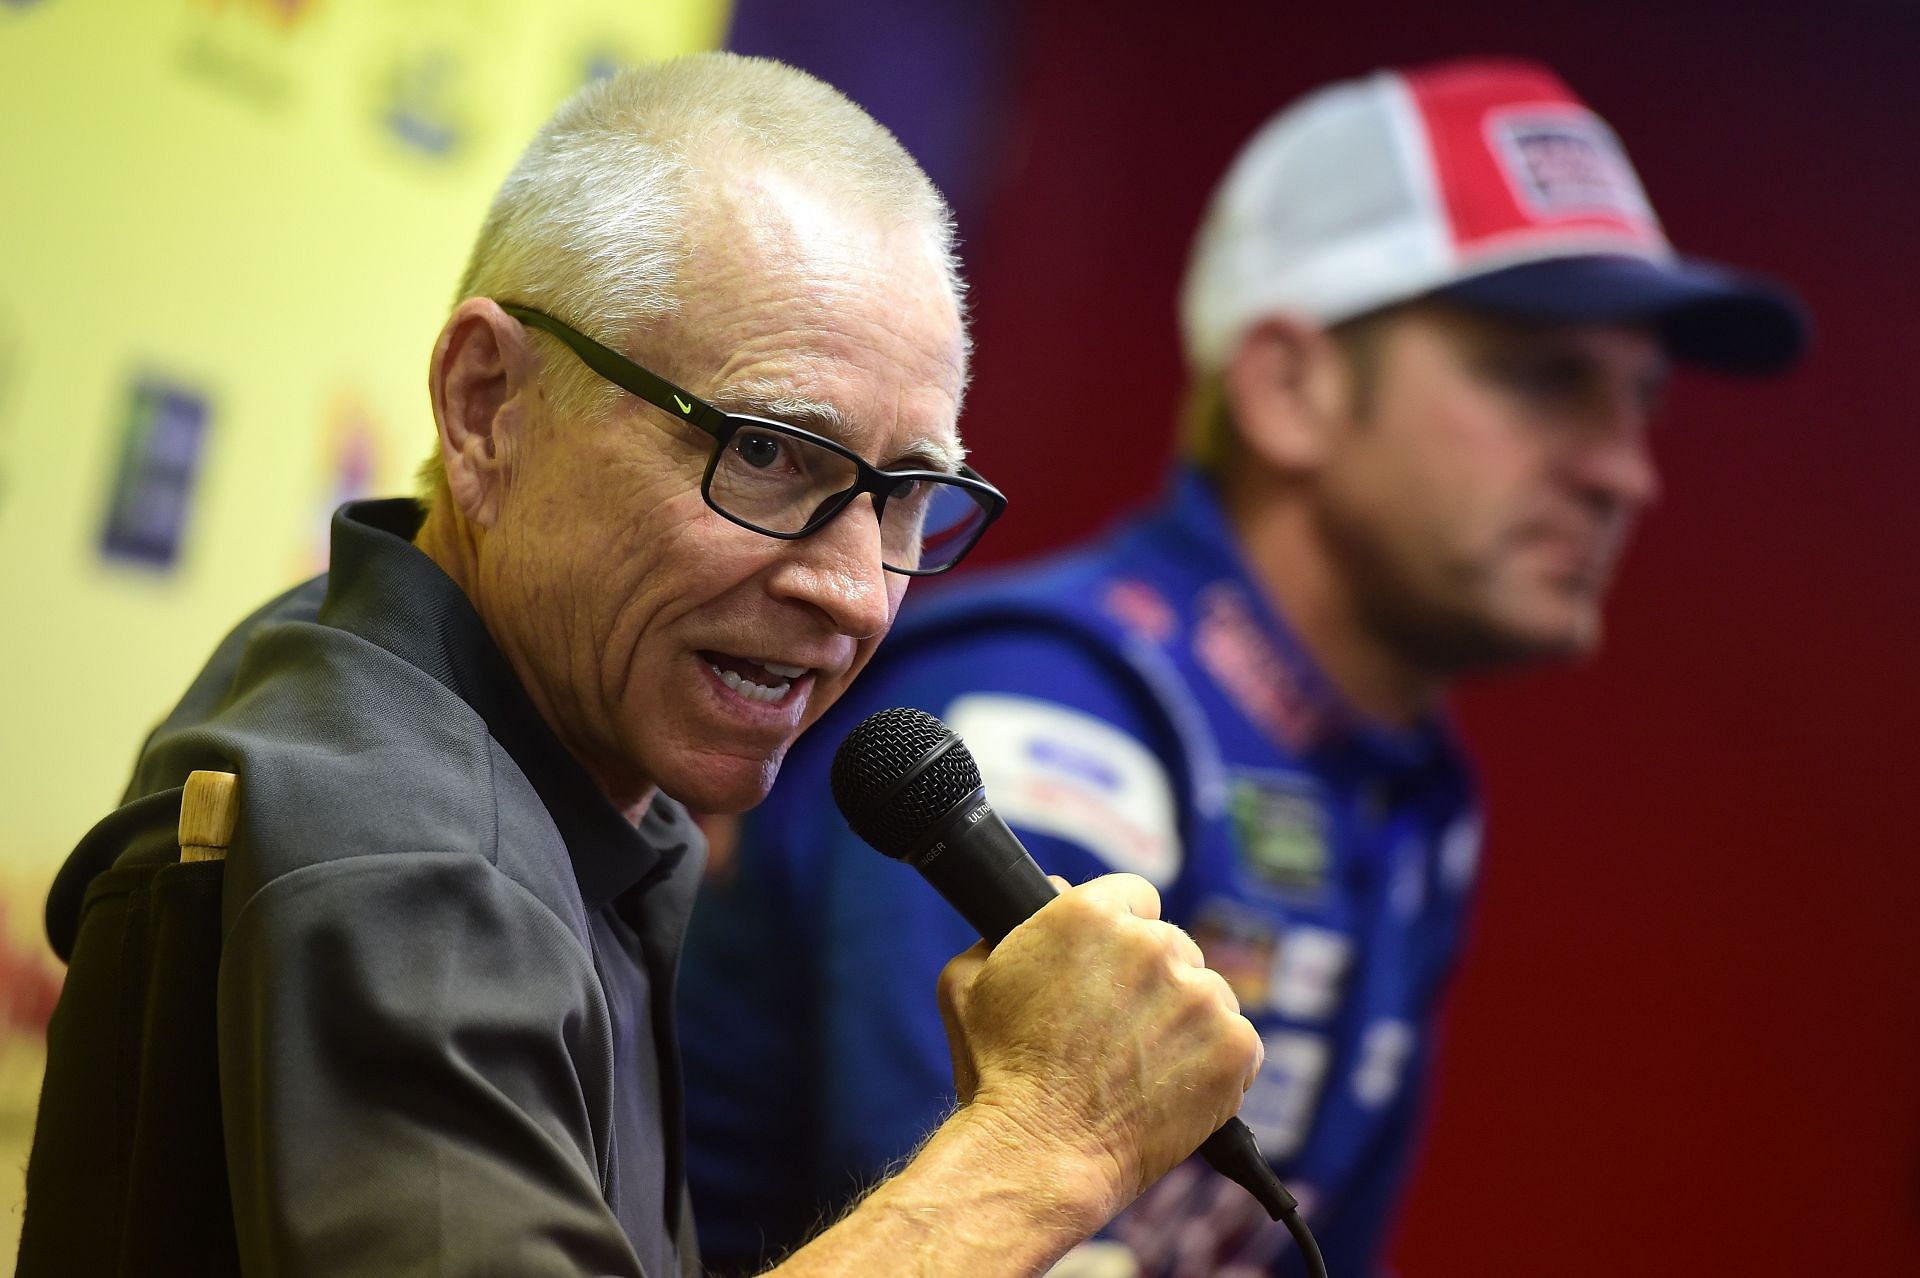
(1141, 609)
(1385, 1049)
(1242, 945)
(1565, 162)
(1309, 970)
(1279, 1105)
(1194, 1221)
(1234, 648)
(1280, 826)
(1407, 891)
(1056, 770)
(1097, 1258)
(1460, 852)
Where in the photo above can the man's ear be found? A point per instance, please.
(1285, 392)
(482, 380)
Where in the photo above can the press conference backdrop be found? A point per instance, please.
(228, 235)
(228, 232)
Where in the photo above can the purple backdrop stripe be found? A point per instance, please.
(936, 72)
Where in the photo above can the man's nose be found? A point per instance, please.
(838, 571)
(1616, 461)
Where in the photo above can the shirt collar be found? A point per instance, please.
(383, 588)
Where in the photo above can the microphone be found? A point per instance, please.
(909, 787)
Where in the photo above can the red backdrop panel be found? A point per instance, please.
(1687, 1037)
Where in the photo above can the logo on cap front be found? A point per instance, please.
(1562, 163)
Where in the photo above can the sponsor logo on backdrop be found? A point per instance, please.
(425, 108)
(163, 430)
(29, 977)
(29, 987)
(351, 455)
(602, 61)
(9, 375)
(283, 15)
(243, 48)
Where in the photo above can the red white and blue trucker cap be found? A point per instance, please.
(1486, 183)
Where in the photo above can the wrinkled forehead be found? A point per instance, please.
(790, 291)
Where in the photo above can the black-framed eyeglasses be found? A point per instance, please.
(787, 482)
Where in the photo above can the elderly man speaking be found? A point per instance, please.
(696, 412)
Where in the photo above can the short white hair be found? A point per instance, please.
(592, 224)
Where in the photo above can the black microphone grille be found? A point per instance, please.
(897, 773)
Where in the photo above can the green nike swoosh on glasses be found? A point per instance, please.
(685, 407)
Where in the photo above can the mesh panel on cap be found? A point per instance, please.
(1328, 181)
(1339, 178)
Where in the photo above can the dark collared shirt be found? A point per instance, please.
(446, 1029)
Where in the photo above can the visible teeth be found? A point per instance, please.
(748, 688)
(785, 672)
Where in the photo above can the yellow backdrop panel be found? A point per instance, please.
(228, 234)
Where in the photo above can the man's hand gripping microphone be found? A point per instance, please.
(908, 786)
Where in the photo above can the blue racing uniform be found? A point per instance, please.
(1133, 705)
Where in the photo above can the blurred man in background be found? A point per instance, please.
(697, 416)
(1427, 321)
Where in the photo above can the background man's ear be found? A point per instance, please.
(481, 380)
(1286, 390)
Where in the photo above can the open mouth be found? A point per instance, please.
(763, 681)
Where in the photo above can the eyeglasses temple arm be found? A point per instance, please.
(626, 374)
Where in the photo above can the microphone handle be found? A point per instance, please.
(976, 861)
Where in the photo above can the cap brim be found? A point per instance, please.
(1706, 314)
